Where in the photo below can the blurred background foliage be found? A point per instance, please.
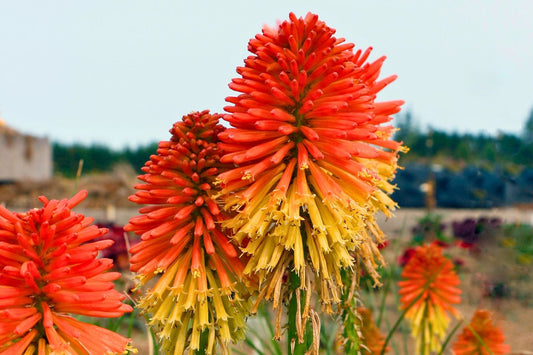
(510, 152)
(97, 157)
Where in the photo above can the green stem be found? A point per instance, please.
(131, 322)
(155, 343)
(203, 343)
(394, 345)
(402, 316)
(449, 337)
(393, 329)
(384, 297)
(371, 297)
(424, 343)
(299, 348)
(404, 331)
(483, 344)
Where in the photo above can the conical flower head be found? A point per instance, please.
(492, 337)
(48, 270)
(198, 293)
(429, 290)
(312, 154)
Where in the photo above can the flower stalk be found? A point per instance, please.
(296, 324)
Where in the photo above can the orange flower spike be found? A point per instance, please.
(430, 279)
(371, 337)
(49, 268)
(306, 97)
(182, 240)
(493, 338)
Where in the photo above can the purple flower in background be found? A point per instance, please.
(118, 252)
(470, 231)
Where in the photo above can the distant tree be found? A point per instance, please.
(407, 132)
(489, 152)
(462, 150)
(98, 158)
(508, 146)
(527, 133)
(137, 157)
(95, 158)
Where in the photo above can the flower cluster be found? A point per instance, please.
(198, 297)
(311, 156)
(48, 270)
(428, 292)
(481, 337)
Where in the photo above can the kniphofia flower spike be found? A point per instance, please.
(198, 298)
(312, 157)
(429, 290)
(48, 270)
(491, 336)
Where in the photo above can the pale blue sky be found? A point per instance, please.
(121, 72)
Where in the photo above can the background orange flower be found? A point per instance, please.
(428, 292)
(491, 336)
(371, 338)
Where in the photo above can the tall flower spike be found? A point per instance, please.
(312, 156)
(48, 270)
(198, 297)
(492, 337)
(431, 283)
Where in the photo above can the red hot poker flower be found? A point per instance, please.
(431, 277)
(198, 291)
(468, 343)
(49, 269)
(312, 155)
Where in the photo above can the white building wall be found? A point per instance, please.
(24, 157)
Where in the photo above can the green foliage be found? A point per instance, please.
(349, 316)
(519, 237)
(137, 157)
(429, 229)
(260, 335)
(97, 157)
(528, 128)
(506, 150)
